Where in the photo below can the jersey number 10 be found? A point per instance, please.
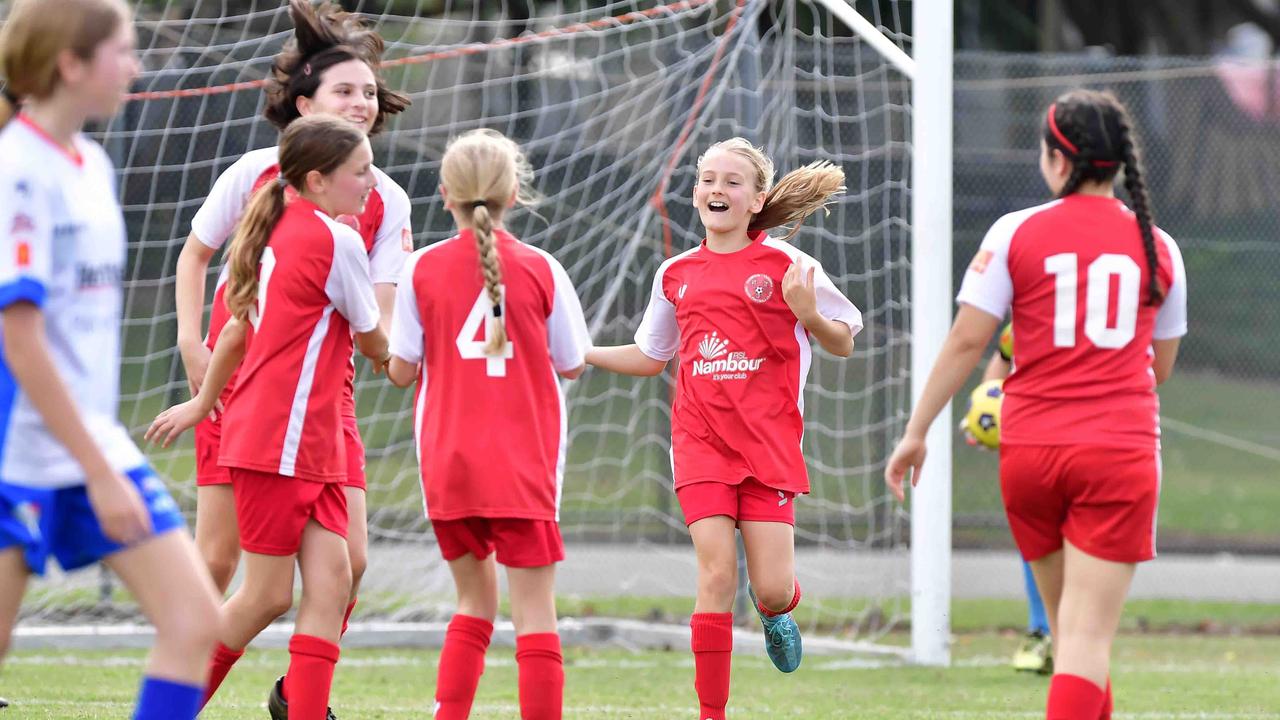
(1064, 267)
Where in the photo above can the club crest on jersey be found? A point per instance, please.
(980, 261)
(22, 224)
(721, 364)
(759, 287)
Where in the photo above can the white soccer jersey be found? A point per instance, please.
(384, 224)
(62, 248)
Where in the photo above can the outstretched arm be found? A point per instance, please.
(625, 360)
(227, 354)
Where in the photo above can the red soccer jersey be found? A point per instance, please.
(744, 356)
(313, 290)
(1075, 274)
(383, 226)
(491, 431)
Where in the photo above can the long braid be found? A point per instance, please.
(491, 267)
(1137, 189)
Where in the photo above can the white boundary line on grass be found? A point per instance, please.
(1213, 436)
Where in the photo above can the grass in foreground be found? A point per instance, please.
(1164, 677)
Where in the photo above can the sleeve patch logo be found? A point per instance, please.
(980, 261)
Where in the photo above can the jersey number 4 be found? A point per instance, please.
(472, 349)
(1064, 268)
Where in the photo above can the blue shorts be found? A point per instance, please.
(60, 521)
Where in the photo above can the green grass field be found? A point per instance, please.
(1164, 677)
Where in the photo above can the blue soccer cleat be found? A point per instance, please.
(781, 637)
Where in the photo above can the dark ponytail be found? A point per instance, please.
(1094, 131)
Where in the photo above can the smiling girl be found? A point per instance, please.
(299, 282)
(740, 310)
(328, 66)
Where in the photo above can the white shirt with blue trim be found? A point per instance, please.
(63, 249)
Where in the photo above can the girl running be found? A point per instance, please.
(72, 483)
(740, 310)
(1098, 295)
(299, 283)
(484, 323)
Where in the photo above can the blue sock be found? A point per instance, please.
(1037, 620)
(167, 700)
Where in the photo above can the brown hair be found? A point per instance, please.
(796, 196)
(318, 142)
(324, 36)
(480, 171)
(1094, 131)
(37, 31)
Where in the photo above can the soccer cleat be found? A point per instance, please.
(1035, 655)
(781, 637)
(279, 709)
(3, 703)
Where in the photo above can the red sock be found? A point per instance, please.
(310, 676)
(1072, 697)
(347, 617)
(219, 665)
(712, 643)
(461, 664)
(1107, 704)
(795, 600)
(541, 676)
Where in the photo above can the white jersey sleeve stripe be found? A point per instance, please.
(987, 284)
(567, 336)
(302, 395)
(348, 285)
(407, 338)
(832, 304)
(229, 197)
(1171, 318)
(658, 335)
(394, 239)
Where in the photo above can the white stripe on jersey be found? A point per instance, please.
(302, 395)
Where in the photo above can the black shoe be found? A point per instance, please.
(279, 709)
(3, 703)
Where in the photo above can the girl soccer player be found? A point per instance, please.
(484, 323)
(740, 309)
(299, 281)
(1098, 295)
(329, 66)
(62, 254)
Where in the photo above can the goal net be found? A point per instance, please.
(613, 101)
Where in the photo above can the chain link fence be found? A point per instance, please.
(1210, 133)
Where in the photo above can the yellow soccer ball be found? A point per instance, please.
(1006, 342)
(982, 420)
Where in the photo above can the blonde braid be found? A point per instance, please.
(491, 266)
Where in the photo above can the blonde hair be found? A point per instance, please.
(796, 196)
(35, 34)
(481, 170)
(316, 142)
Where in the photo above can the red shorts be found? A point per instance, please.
(272, 510)
(749, 500)
(1102, 499)
(209, 442)
(519, 542)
